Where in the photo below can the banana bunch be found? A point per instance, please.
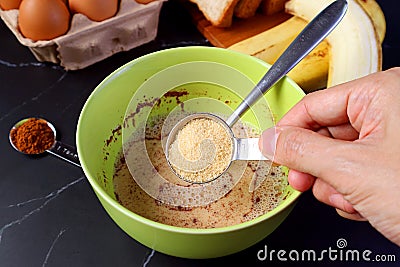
(351, 51)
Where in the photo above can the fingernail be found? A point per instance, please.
(267, 142)
(338, 201)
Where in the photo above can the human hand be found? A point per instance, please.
(344, 143)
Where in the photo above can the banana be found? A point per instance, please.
(312, 72)
(269, 44)
(377, 16)
(355, 50)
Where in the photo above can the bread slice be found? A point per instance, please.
(246, 8)
(270, 7)
(218, 12)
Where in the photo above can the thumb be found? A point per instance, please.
(304, 150)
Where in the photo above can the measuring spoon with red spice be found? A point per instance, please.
(34, 136)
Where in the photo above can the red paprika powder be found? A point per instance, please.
(34, 136)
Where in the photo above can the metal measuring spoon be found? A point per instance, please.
(315, 31)
(242, 149)
(59, 149)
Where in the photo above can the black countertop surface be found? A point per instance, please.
(49, 214)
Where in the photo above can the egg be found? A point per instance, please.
(9, 4)
(96, 10)
(43, 19)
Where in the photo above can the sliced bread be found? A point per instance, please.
(246, 8)
(219, 13)
(270, 7)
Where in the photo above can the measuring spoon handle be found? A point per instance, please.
(247, 149)
(307, 40)
(65, 152)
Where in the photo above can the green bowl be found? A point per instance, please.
(99, 142)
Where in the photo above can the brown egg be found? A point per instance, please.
(43, 19)
(96, 10)
(9, 4)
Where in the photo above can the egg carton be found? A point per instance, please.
(87, 41)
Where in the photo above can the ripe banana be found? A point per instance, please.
(376, 14)
(355, 50)
(269, 44)
(312, 72)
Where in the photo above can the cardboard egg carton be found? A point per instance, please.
(88, 42)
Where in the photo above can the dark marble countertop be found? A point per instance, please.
(49, 214)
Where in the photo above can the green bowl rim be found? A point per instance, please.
(99, 190)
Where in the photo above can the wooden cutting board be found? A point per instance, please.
(240, 30)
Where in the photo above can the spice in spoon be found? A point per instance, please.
(202, 150)
(34, 136)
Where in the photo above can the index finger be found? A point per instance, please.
(319, 109)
